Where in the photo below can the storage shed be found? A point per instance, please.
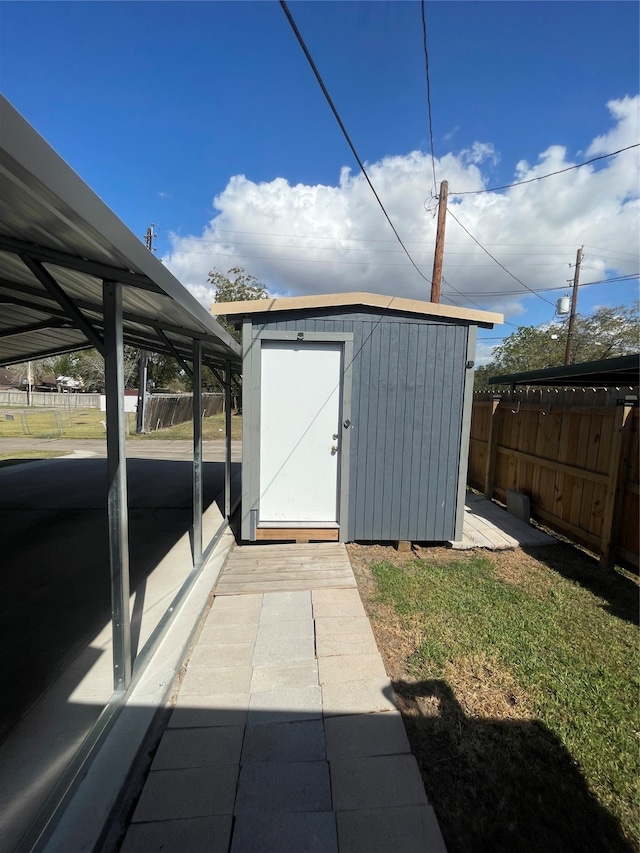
(356, 416)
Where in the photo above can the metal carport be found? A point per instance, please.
(622, 371)
(72, 276)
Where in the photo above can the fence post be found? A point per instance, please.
(615, 483)
(492, 441)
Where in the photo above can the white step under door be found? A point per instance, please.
(300, 400)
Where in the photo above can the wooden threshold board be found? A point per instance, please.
(298, 534)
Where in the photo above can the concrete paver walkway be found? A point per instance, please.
(285, 737)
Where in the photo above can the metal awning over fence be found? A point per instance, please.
(620, 372)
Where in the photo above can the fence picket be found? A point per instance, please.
(560, 447)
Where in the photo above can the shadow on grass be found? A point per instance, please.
(618, 591)
(501, 786)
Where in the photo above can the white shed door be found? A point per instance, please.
(299, 419)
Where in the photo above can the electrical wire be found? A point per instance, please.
(550, 175)
(612, 251)
(427, 244)
(515, 278)
(426, 67)
(325, 92)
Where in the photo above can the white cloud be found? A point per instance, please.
(484, 353)
(313, 239)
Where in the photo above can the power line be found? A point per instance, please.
(526, 287)
(612, 251)
(550, 175)
(426, 66)
(422, 242)
(616, 280)
(425, 243)
(344, 131)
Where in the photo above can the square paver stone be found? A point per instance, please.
(291, 787)
(337, 603)
(286, 704)
(289, 649)
(365, 735)
(195, 792)
(358, 697)
(357, 642)
(276, 676)
(343, 625)
(233, 616)
(338, 669)
(284, 742)
(223, 635)
(379, 782)
(224, 709)
(237, 602)
(195, 747)
(279, 599)
(210, 680)
(293, 832)
(284, 630)
(233, 654)
(410, 829)
(197, 835)
(285, 613)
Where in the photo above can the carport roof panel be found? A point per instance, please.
(50, 217)
(352, 300)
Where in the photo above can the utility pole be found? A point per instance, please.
(436, 278)
(574, 305)
(149, 237)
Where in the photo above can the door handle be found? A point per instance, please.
(334, 449)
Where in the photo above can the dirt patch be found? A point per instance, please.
(486, 691)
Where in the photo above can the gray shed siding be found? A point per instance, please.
(407, 405)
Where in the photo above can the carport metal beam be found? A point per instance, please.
(197, 454)
(117, 484)
(48, 281)
(227, 455)
(72, 262)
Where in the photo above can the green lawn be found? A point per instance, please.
(213, 429)
(521, 698)
(90, 424)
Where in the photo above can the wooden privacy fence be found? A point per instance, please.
(574, 453)
(165, 410)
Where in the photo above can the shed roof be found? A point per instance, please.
(350, 300)
(605, 373)
(58, 243)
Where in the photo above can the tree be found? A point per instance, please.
(607, 333)
(163, 371)
(235, 286)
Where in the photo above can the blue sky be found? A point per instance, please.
(204, 118)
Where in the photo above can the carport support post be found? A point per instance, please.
(117, 478)
(227, 458)
(197, 454)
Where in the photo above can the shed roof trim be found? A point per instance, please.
(368, 300)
